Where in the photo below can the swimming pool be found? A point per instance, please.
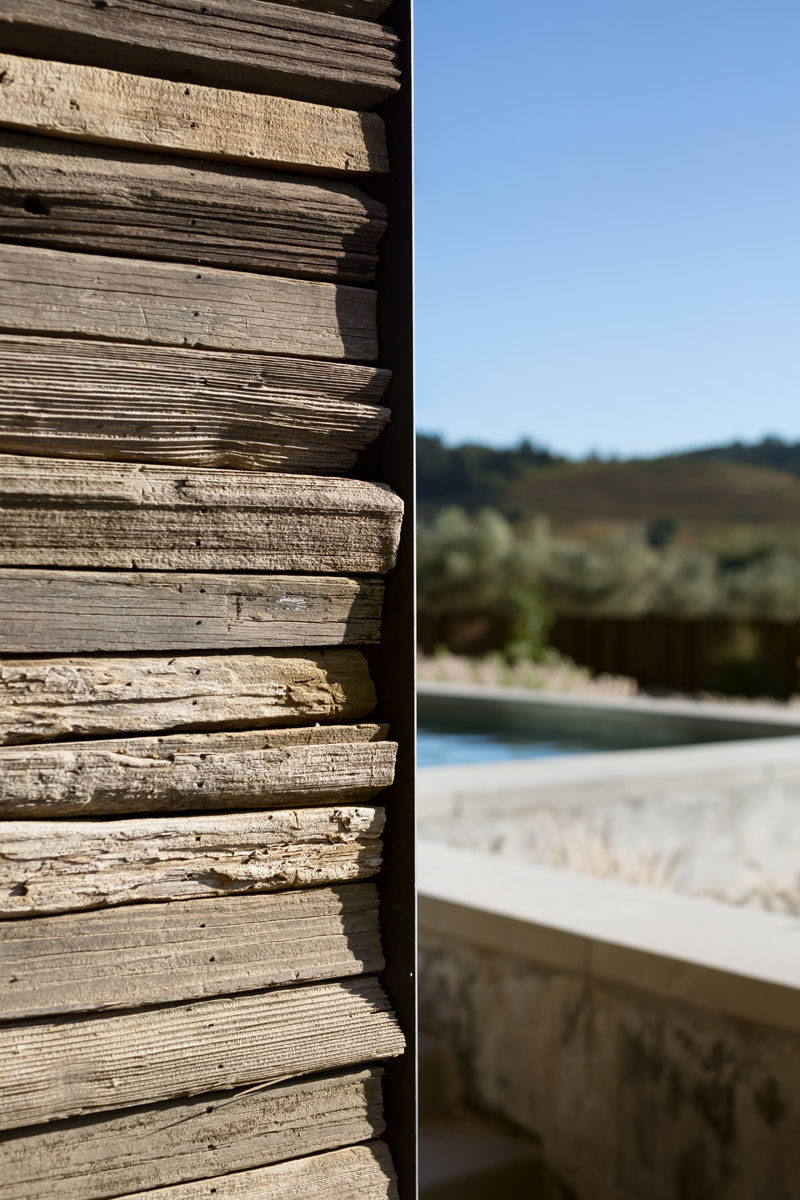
(493, 725)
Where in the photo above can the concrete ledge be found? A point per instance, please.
(734, 961)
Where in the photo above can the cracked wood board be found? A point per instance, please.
(84, 612)
(96, 1157)
(249, 45)
(74, 513)
(74, 197)
(67, 398)
(84, 1065)
(169, 304)
(95, 105)
(45, 699)
(197, 772)
(144, 954)
(70, 866)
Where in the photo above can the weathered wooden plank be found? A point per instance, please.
(144, 954)
(84, 612)
(84, 1065)
(355, 1173)
(96, 1157)
(44, 699)
(169, 304)
(90, 104)
(368, 10)
(74, 513)
(68, 866)
(67, 398)
(73, 197)
(250, 45)
(198, 772)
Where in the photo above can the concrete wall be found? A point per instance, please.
(651, 1042)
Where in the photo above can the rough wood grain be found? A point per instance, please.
(168, 304)
(366, 9)
(84, 612)
(251, 45)
(96, 1157)
(109, 400)
(198, 772)
(85, 1065)
(67, 866)
(355, 1173)
(90, 104)
(44, 699)
(72, 197)
(145, 954)
(74, 513)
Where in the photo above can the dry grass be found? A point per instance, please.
(555, 674)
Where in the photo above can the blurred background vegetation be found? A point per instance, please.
(682, 571)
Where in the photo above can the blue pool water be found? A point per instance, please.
(456, 731)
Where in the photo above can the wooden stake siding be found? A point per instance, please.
(85, 1065)
(44, 699)
(356, 1173)
(200, 772)
(80, 399)
(89, 104)
(83, 514)
(71, 197)
(251, 45)
(93, 1158)
(145, 954)
(86, 612)
(57, 292)
(69, 866)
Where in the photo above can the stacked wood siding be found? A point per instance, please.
(206, 890)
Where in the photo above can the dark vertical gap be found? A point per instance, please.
(394, 660)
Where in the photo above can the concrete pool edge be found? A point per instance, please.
(742, 963)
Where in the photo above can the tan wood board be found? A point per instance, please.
(250, 45)
(43, 699)
(68, 398)
(69, 866)
(75, 513)
(57, 292)
(74, 197)
(144, 954)
(196, 772)
(83, 612)
(355, 1173)
(91, 104)
(96, 1157)
(89, 1064)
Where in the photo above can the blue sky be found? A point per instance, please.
(608, 221)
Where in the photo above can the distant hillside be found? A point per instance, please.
(697, 492)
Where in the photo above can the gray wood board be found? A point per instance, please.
(144, 954)
(84, 612)
(45, 699)
(74, 197)
(92, 1158)
(365, 9)
(68, 398)
(197, 772)
(69, 866)
(355, 1173)
(169, 304)
(90, 104)
(78, 513)
(251, 45)
(81, 1065)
